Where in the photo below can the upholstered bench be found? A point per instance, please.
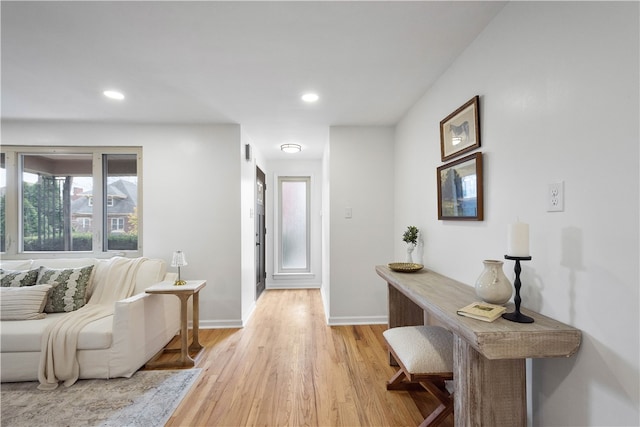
(425, 357)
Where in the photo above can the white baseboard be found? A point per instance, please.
(220, 324)
(286, 285)
(252, 310)
(332, 321)
(364, 320)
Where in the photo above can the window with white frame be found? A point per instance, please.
(82, 225)
(70, 199)
(293, 224)
(117, 225)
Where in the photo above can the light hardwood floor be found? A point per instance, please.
(287, 367)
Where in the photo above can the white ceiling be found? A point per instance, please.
(232, 62)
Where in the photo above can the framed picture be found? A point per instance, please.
(460, 189)
(460, 130)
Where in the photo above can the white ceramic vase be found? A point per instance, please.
(410, 248)
(493, 286)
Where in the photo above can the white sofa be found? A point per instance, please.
(114, 346)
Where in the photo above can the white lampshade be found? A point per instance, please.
(179, 259)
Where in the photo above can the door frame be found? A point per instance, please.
(261, 232)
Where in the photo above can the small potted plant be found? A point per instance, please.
(411, 238)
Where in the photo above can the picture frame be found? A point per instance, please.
(460, 189)
(460, 130)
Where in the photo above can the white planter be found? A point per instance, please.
(410, 248)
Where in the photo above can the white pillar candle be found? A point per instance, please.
(518, 239)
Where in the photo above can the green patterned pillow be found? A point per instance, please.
(69, 288)
(18, 278)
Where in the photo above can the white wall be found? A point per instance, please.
(326, 230)
(191, 196)
(361, 178)
(559, 88)
(248, 228)
(294, 167)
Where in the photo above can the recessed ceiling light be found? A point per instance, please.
(310, 97)
(113, 94)
(291, 148)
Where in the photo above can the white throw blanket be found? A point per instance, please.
(58, 359)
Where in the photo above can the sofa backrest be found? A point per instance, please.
(16, 264)
(63, 262)
(151, 271)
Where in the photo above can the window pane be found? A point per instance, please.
(121, 201)
(55, 191)
(294, 224)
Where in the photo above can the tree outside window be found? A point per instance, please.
(59, 209)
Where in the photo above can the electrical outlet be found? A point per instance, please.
(555, 197)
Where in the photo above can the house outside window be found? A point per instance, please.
(70, 199)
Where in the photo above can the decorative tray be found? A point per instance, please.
(405, 267)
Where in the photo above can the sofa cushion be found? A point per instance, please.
(23, 303)
(25, 335)
(422, 349)
(69, 287)
(17, 278)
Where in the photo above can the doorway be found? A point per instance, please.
(261, 232)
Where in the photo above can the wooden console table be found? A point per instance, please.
(489, 358)
(184, 292)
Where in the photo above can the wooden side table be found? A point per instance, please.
(488, 358)
(183, 292)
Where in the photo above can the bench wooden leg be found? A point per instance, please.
(421, 366)
(440, 392)
(396, 381)
(437, 416)
(400, 382)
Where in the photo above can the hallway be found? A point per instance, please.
(287, 367)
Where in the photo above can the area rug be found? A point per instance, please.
(147, 399)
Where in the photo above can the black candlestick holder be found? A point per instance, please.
(516, 316)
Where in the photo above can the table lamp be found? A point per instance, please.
(179, 260)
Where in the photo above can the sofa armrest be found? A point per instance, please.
(142, 325)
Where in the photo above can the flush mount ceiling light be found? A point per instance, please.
(310, 97)
(291, 148)
(113, 94)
